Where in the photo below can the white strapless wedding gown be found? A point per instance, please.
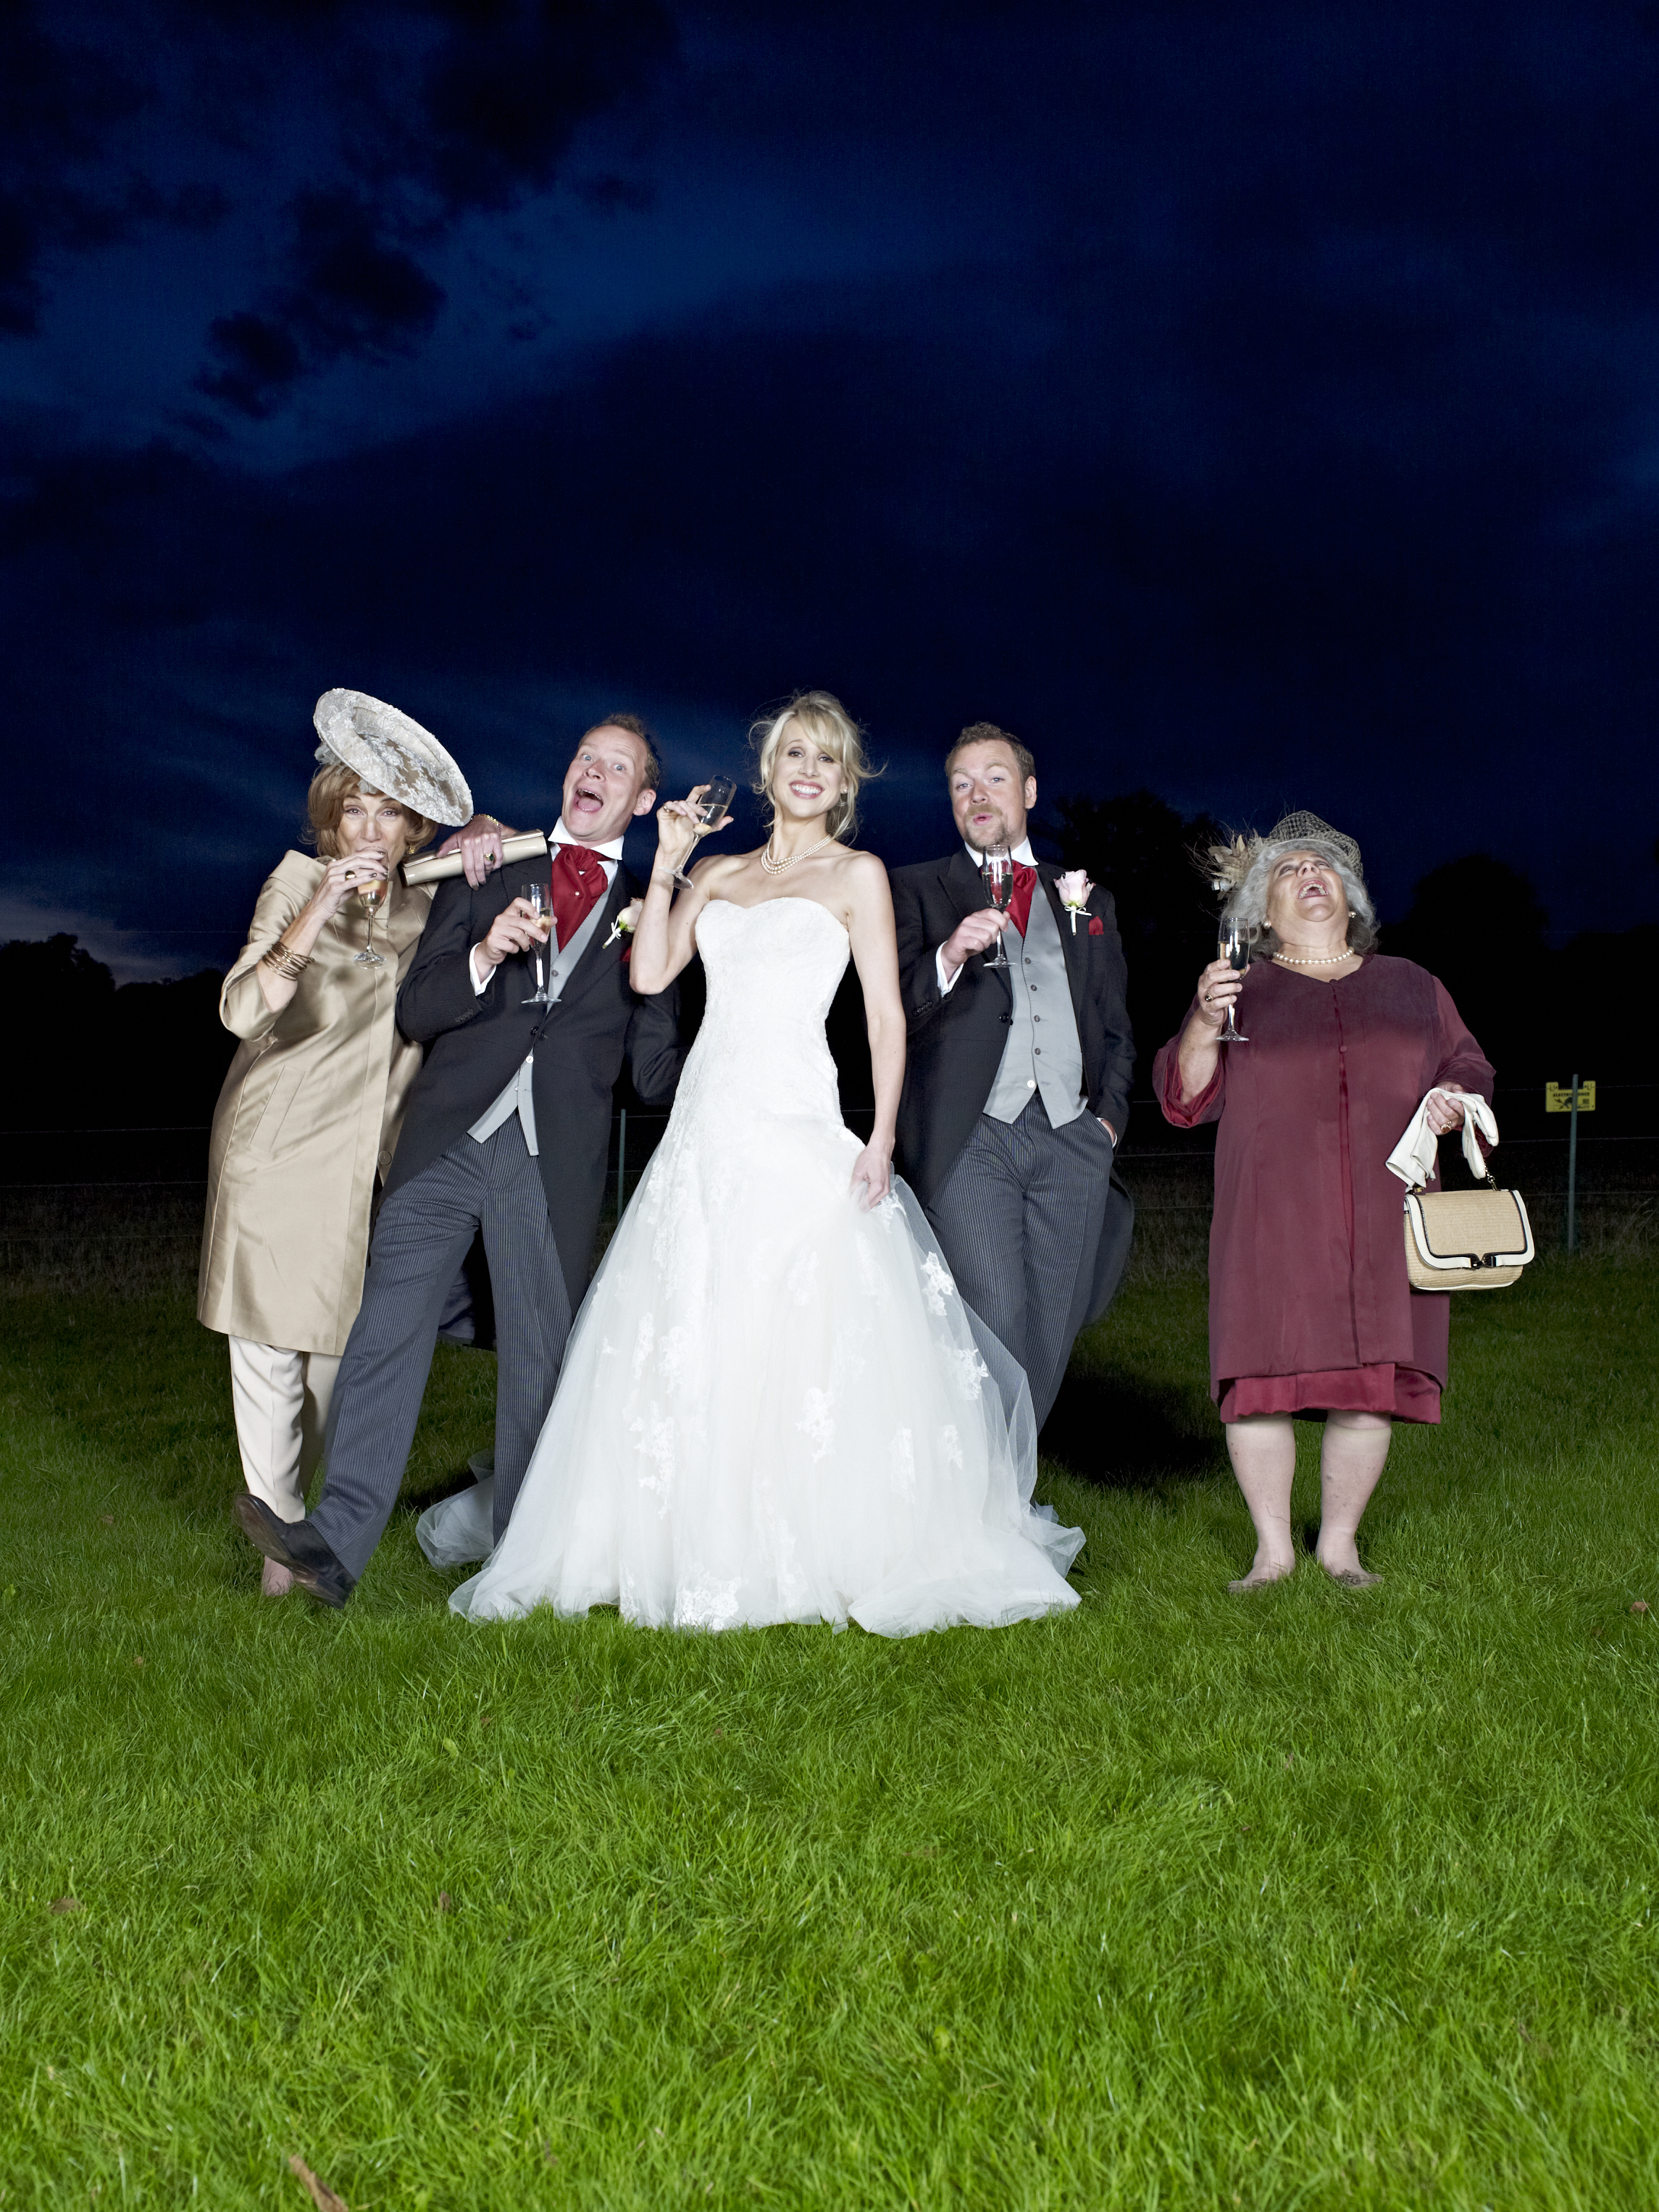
(774, 1405)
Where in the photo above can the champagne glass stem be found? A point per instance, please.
(539, 900)
(1234, 949)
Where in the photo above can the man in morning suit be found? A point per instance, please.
(506, 1132)
(1017, 1085)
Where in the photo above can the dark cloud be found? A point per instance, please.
(468, 122)
(405, 117)
(58, 98)
(507, 87)
(351, 293)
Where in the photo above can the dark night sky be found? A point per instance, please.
(1255, 403)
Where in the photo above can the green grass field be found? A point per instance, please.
(1318, 1898)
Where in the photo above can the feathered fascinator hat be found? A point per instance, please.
(1229, 865)
(391, 754)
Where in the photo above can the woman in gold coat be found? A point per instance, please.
(310, 1109)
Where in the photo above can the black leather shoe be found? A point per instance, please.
(296, 1546)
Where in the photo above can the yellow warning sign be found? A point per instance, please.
(1557, 1098)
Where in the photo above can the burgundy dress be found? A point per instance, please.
(1309, 1303)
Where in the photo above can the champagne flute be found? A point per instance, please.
(1235, 949)
(371, 896)
(538, 898)
(717, 796)
(996, 866)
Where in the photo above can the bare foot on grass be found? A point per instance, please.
(1351, 1576)
(1264, 1568)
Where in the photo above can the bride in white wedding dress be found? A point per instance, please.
(774, 1405)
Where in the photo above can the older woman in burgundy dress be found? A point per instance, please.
(1310, 1309)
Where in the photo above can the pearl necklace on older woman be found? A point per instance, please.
(1319, 960)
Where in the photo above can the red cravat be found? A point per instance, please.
(578, 884)
(1019, 905)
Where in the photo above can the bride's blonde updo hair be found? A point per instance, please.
(832, 729)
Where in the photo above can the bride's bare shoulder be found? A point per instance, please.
(862, 875)
(719, 868)
(860, 866)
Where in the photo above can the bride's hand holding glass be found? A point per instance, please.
(681, 822)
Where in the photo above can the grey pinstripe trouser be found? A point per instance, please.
(1020, 1217)
(424, 1231)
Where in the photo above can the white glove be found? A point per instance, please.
(1413, 1159)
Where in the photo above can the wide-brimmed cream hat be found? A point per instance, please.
(391, 754)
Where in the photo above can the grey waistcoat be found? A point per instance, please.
(1042, 1054)
(517, 1097)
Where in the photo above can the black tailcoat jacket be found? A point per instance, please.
(478, 1043)
(957, 1038)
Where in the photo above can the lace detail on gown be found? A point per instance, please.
(774, 1405)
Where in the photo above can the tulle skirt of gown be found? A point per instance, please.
(774, 1405)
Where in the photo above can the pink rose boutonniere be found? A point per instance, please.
(1074, 888)
(624, 927)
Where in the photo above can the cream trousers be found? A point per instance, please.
(282, 1409)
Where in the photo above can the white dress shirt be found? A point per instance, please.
(518, 1098)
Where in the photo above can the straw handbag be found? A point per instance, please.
(1460, 1240)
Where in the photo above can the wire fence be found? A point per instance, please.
(133, 1234)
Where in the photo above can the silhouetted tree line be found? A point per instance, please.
(96, 1053)
(89, 1053)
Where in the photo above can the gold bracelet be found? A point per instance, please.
(283, 960)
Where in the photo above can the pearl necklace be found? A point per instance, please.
(1324, 960)
(781, 867)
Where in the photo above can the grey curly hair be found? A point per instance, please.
(1247, 903)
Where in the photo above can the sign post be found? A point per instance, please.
(1581, 1096)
